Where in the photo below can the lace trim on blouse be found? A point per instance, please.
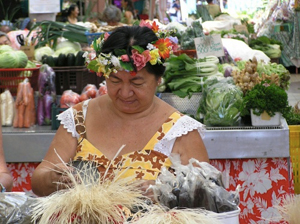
(184, 125)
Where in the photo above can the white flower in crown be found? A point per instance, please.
(115, 61)
(150, 46)
(103, 60)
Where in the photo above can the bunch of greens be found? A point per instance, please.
(291, 116)
(49, 31)
(221, 102)
(233, 34)
(279, 69)
(266, 97)
(272, 48)
(181, 76)
(188, 36)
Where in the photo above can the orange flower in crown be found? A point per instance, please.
(164, 47)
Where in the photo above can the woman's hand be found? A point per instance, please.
(148, 192)
(61, 175)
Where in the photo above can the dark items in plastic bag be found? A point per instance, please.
(16, 207)
(199, 186)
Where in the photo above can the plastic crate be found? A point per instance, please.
(92, 36)
(295, 154)
(74, 78)
(55, 110)
(11, 77)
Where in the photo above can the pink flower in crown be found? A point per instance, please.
(147, 24)
(140, 60)
(125, 58)
(106, 35)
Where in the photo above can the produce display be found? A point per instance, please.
(66, 53)
(25, 115)
(185, 75)
(269, 46)
(49, 32)
(221, 102)
(7, 108)
(10, 58)
(248, 77)
(47, 94)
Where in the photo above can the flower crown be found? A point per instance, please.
(118, 60)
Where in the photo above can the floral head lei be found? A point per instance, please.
(118, 60)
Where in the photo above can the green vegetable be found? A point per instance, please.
(75, 45)
(13, 59)
(79, 60)
(188, 36)
(4, 48)
(266, 97)
(62, 60)
(40, 52)
(50, 61)
(71, 59)
(50, 31)
(291, 117)
(221, 102)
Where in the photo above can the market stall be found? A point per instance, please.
(257, 159)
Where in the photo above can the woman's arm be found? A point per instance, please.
(128, 15)
(44, 176)
(5, 176)
(190, 146)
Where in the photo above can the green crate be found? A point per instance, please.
(55, 110)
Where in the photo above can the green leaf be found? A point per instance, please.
(126, 65)
(138, 48)
(93, 65)
(120, 52)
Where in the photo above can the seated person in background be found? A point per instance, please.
(72, 15)
(175, 11)
(129, 14)
(112, 15)
(6, 180)
(212, 8)
(4, 39)
(129, 114)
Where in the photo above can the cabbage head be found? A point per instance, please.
(40, 52)
(4, 48)
(13, 59)
(222, 104)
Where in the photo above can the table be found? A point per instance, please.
(257, 159)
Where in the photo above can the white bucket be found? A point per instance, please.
(231, 217)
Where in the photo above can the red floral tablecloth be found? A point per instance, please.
(263, 183)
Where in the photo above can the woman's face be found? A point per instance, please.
(123, 4)
(4, 40)
(132, 94)
(75, 12)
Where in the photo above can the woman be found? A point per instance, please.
(128, 12)
(129, 114)
(212, 8)
(112, 15)
(73, 14)
(6, 180)
(4, 39)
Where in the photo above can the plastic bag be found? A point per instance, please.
(7, 108)
(221, 102)
(199, 186)
(102, 89)
(16, 207)
(89, 91)
(69, 99)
